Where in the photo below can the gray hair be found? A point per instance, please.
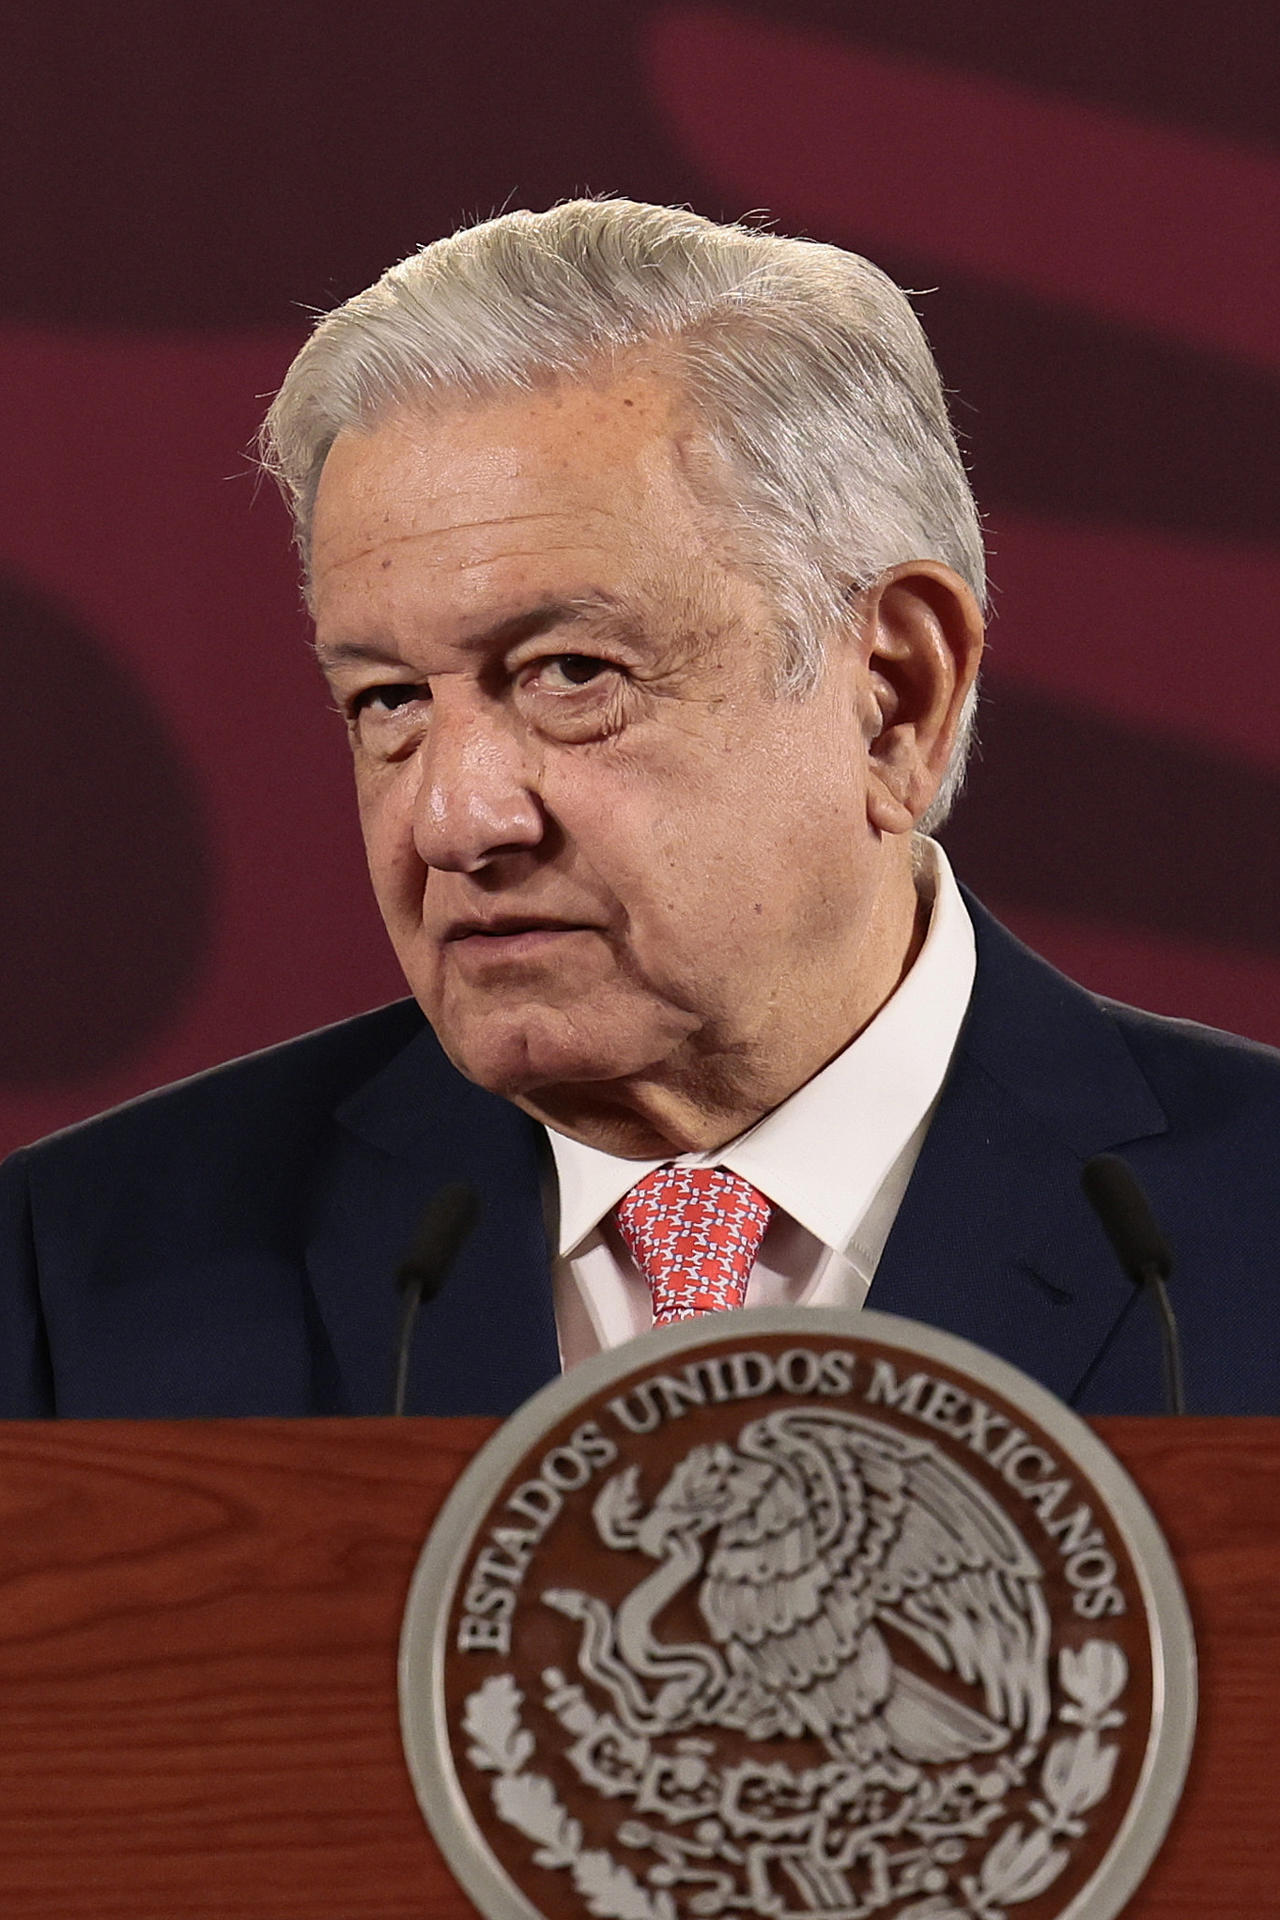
(804, 367)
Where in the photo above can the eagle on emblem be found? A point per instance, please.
(830, 1552)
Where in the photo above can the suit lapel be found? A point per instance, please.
(488, 1339)
(994, 1239)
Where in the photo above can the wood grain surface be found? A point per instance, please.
(198, 1633)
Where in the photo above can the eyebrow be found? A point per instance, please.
(596, 607)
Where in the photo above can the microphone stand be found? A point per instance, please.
(1112, 1190)
(450, 1216)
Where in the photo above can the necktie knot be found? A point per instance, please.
(694, 1233)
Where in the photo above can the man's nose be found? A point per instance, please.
(475, 801)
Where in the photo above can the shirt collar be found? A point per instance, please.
(823, 1154)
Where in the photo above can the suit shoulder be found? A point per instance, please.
(1190, 1066)
(278, 1086)
(1022, 1004)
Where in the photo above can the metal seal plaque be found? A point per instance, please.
(793, 1614)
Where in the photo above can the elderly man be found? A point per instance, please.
(646, 575)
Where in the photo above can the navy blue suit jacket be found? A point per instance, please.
(226, 1246)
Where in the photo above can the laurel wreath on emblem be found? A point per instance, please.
(1076, 1775)
(805, 1538)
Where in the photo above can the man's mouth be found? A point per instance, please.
(508, 936)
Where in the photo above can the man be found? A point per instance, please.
(646, 575)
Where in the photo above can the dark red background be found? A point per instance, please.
(1090, 191)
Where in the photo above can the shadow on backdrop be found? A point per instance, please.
(104, 831)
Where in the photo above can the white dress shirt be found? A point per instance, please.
(834, 1158)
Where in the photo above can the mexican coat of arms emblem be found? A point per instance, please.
(808, 1616)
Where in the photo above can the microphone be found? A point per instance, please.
(448, 1220)
(1112, 1190)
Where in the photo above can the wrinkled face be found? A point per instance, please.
(630, 885)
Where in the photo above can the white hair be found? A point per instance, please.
(804, 368)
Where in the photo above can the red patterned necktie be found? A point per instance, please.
(694, 1233)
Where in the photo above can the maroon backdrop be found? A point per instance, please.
(1089, 192)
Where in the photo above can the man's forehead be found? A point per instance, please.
(529, 499)
(522, 452)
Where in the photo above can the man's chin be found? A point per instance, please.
(528, 1060)
(621, 1098)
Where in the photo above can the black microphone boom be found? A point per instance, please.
(446, 1224)
(1112, 1190)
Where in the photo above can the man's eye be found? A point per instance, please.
(571, 669)
(386, 698)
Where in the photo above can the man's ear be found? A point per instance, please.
(922, 641)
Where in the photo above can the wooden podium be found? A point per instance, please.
(198, 1632)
